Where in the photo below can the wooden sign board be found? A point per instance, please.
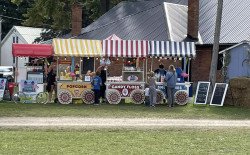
(219, 93)
(202, 92)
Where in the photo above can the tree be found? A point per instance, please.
(55, 15)
(12, 14)
(213, 68)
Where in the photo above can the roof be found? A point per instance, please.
(235, 25)
(232, 47)
(154, 20)
(32, 50)
(130, 21)
(29, 34)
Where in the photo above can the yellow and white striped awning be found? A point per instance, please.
(77, 47)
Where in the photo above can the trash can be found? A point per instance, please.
(11, 86)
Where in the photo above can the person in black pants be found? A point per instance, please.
(103, 86)
(96, 83)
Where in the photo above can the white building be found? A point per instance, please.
(20, 35)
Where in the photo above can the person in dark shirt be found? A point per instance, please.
(160, 72)
(103, 86)
(96, 83)
(51, 79)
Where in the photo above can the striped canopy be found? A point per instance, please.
(125, 48)
(172, 49)
(77, 47)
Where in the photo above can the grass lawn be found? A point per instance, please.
(9, 109)
(116, 141)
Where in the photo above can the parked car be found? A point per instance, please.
(7, 72)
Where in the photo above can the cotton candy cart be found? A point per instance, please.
(130, 85)
(72, 82)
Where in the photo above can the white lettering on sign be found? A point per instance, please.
(125, 86)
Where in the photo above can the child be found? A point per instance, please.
(147, 103)
(152, 89)
(96, 83)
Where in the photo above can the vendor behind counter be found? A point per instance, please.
(160, 73)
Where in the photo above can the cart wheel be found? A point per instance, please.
(159, 97)
(181, 97)
(88, 97)
(113, 97)
(137, 96)
(19, 97)
(64, 97)
(42, 98)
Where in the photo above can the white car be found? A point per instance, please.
(7, 71)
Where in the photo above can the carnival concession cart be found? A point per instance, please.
(31, 76)
(170, 50)
(131, 82)
(72, 83)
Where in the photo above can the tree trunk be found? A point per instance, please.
(104, 6)
(214, 62)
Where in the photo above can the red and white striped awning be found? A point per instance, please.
(125, 48)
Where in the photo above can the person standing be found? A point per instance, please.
(152, 89)
(51, 80)
(160, 73)
(103, 76)
(171, 79)
(96, 83)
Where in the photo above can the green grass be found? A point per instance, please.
(9, 109)
(108, 141)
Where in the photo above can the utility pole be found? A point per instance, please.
(214, 62)
(0, 39)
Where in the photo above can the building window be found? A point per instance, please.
(14, 39)
(220, 62)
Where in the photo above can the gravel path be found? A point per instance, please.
(116, 122)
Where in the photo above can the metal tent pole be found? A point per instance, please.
(152, 64)
(146, 69)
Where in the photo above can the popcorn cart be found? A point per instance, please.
(131, 82)
(73, 82)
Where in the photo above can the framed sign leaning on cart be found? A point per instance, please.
(219, 93)
(202, 92)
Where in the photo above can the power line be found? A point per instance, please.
(11, 17)
(21, 19)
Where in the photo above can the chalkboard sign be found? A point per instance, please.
(202, 92)
(219, 93)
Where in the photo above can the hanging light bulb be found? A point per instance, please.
(65, 58)
(81, 59)
(117, 59)
(96, 58)
(88, 58)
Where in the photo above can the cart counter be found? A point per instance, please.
(181, 95)
(68, 90)
(121, 90)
